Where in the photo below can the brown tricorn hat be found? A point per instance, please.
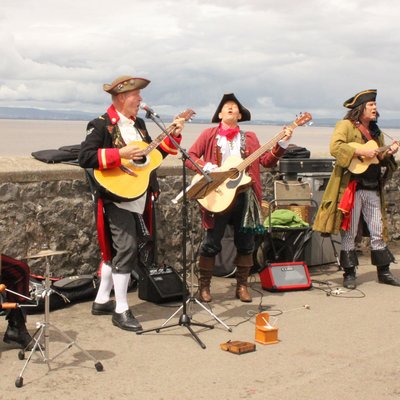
(125, 83)
(246, 116)
(359, 98)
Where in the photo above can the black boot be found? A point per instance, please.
(382, 259)
(16, 332)
(385, 276)
(349, 278)
(349, 262)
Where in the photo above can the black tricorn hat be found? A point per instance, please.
(246, 116)
(360, 98)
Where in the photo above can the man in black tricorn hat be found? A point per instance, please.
(211, 149)
(111, 139)
(355, 189)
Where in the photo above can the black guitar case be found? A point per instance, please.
(65, 292)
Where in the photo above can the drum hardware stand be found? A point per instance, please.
(44, 328)
(184, 319)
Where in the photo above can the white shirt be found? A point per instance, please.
(130, 134)
(229, 148)
(232, 148)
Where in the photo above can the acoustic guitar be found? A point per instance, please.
(360, 164)
(226, 185)
(131, 179)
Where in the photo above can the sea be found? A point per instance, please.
(22, 137)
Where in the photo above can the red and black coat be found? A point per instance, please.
(101, 150)
(205, 150)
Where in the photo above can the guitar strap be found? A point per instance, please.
(365, 133)
(143, 134)
(242, 144)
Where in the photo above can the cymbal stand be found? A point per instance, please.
(184, 319)
(192, 299)
(43, 331)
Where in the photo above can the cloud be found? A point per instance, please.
(278, 57)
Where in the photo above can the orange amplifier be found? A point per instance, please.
(279, 277)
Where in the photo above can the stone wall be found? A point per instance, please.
(50, 205)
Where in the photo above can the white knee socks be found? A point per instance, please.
(121, 282)
(106, 284)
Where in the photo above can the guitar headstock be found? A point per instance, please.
(187, 114)
(303, 119)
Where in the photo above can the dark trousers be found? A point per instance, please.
(122, 224)
(244, 242)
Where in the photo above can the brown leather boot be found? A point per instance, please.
(206, 266)
(242, 292)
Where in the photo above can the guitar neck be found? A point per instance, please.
(260, 151)
(382, 149)
(154, 144)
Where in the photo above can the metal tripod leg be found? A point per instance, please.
(335, 253)
(192, 299)
(184, 320)
(44, 331)
(44, 353)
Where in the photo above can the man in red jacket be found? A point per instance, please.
(211, 150)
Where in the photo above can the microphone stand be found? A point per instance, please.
(184, 319)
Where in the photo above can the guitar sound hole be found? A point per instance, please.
(140, 163)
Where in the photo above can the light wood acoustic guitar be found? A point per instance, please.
(360, 164)
(226, 185)
(131, 179)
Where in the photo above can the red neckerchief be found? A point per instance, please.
(346, 204)
(229, 133)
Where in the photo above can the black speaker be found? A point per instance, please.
(160, 285)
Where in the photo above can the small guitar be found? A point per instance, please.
(131, 179)
(226, 185)
(360, 164)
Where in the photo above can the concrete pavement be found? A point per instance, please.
(334, 344)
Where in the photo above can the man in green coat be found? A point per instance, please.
(354, 196)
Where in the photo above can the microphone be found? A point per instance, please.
(148, 109)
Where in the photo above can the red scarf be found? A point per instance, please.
(346, 204)
(229, 133)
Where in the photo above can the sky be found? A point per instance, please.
(279, 57)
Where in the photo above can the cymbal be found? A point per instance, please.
(47, 253)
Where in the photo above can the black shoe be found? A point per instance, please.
(22, 339)
(103, 309)
(388, 279)
(126, 321)
(349, 281)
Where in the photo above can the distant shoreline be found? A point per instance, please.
(35, 114)
(325, 123)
